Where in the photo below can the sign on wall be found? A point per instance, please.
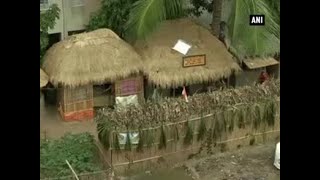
(196, 60)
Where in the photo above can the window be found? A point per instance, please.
(44, 4)
(77, 3)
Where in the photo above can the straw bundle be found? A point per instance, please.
(95, 57)
(163, 66)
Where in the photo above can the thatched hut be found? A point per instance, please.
(166, 68)
(76, 65)
(253, 67)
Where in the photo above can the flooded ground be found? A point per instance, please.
(52, 126)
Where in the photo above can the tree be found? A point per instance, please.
(216, 17)
(47, 21)
(113, 14)
(145, 15)
(245, 40)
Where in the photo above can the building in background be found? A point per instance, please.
(74, 16)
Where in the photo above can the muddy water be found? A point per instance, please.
(52, 126)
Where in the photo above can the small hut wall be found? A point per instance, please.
(77, 103)
(274, 70)
(248, 77)
(103, 96)
(130, 86)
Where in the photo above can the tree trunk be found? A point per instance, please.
(216, 17)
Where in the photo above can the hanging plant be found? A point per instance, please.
(218, 129)
(224, 121)
(141, 142)
(270, 112)
(231, 120)
(116, 143)
(176, 132)
(128, 142)
(228, 117)
(209, 141)
(202, 129)
(163, 139)
(241, 113)
(189, 134)
(258, 116)
(250, 115)
(104, 135)
(149, 137)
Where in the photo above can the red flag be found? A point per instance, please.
(184, 94)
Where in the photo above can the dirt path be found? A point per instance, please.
(249, 163)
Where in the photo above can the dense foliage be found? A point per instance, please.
(151, 114)
(113, 14)
(118, 15)
(47, 21)
(245, 40)
(79, 149)
(253, 106)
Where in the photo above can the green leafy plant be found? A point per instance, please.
(47, 21)
(128, 144)
(79, 149)
(232, 118)
(241, 118)
(113, 14)
(104, 132)
(149, 137)
(202, 129)
(141, 142)
(189, 134)
(163, 139)
(257, 111)
(116, 143)
(270, 112)
(243, 107)
(176, 131)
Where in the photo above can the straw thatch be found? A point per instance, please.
(163, 66)
(95, 57)
(43, 78)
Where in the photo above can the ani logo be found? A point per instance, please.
(257, 20)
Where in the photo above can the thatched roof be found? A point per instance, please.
(95, 57)
(43, 78)
(255, 63)
(163, 66)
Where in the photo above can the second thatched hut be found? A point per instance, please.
(206, 62)
(93, 68)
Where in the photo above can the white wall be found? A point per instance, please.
(73, 18)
